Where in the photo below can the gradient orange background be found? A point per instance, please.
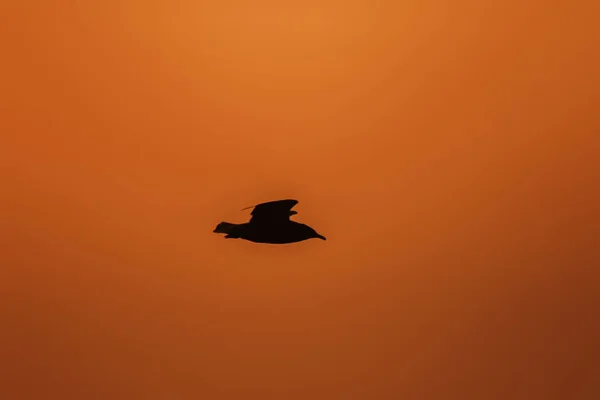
(448, 150)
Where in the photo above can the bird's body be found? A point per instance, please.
(270, 223)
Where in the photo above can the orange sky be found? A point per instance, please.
(448, 152)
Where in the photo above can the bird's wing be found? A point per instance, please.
(279, 210)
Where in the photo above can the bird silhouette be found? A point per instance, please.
(270, 223)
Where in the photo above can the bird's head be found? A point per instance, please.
(317, 236)
(314, 235)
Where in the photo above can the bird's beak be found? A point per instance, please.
(321, 237)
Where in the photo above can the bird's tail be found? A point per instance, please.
(225, 227)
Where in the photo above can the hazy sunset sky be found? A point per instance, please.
(449, 152)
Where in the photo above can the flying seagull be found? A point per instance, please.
(270, 223)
